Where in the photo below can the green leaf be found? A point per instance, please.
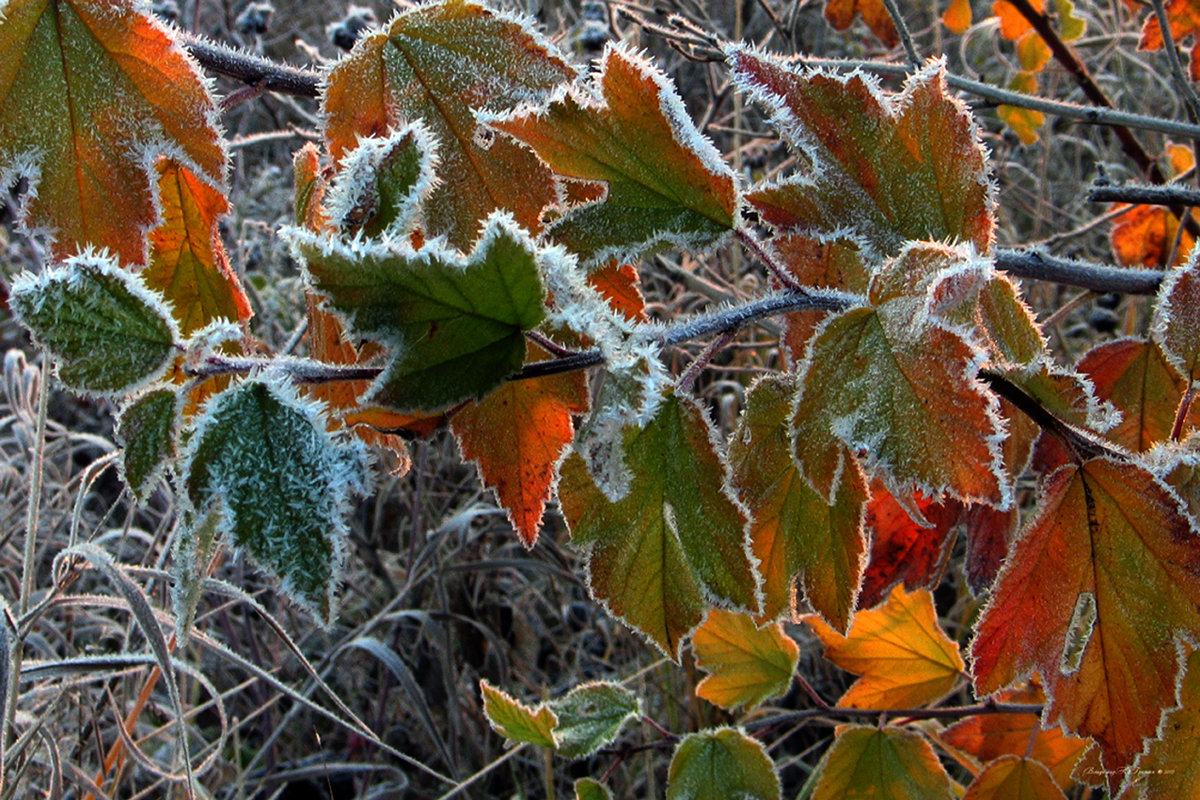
(108, 333)
(676, 541)
(90, 92)
(195, 545)
(888, 168)
(441, 63)
(263, 457)
(515, 721)
(900, 383)
(588, 789)
(664, 181)
(454, 324)
(383, 181)
(795, 532)
(590, 716)
(148, 429)
(883, 763)
(719, 764)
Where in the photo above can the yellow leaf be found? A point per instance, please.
(747, 665)
(1023, 121)
(904, 657)
(1013, 778)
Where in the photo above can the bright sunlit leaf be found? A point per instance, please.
(132, 94)
(1184, 18)
(660, 556)
(441, 63)
(514, 720)
(1023, 121)
(903, 656)
(746, 664)
(957, 16)
(630, 130)
(1098, 589)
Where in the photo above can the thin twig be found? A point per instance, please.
(948, 712)
(910, 51)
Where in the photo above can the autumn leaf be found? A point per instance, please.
(1023, 121)
(989, 532)
(794, 531)
(898, 383)
(721, 763)
(987, 737)
(453, 324)
(1170, 766)
(516, 435)
(630, 130)
(676, 542)
(1099, 587)
(886, 763)
(1176, 326)
(841, 13)
(516, 721)
(1145, 236)
(132, 93)
(957, 16)
(746, 664)
(903, 656)
(618, 284)
(188, 263)
(441, 63)
(893, 168)
(1183, 16)
(1014, 778)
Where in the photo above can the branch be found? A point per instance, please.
(948, 712)
(251, 69)
(1170, 194)
(1042, 266)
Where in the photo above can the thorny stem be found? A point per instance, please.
(250, 69)
(1165, 195)
(1040, 265)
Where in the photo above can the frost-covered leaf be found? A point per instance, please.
(903, 550)
(590, 716)
(188, 263)
(721, 763)
(903, 656)
(441, 63)
(90, 92)
(382, 183)
(454, 325)
(898, 382)
(262, 457)
(882, 169)
(196, 542)
(514, 720)
(1170, 766)
(148, 430)
(107, 332)
(794, 531)
(1103, 581)
(841, 13)
(676, 542)
(1176, 322)
(309, 179)
(989, 736)
(886, 763)
(1135, 376)
(746, 664)
(618, 284)
(665, 182)
(517, 434)
(1014, 778)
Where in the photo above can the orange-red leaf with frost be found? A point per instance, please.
(188, 263)
(619, 283)
(516, 435)
(1170, 767)
(903, 656)
(90, 91)
(1184, 19)
(841, 13)
(1097, 592)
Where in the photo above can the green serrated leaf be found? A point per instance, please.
(676, 541)
(282, 484)
(588, 789)
(515, 721)
(148, 429)
(454, 325)
(107, 332)
(382, 182)
(719, 764)
(889, 762)
(590, 716)
(664, 181)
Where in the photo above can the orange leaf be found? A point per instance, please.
(131, 92)
(1099, 588)
(1170, 767)
(957, 17)
(990, 736)
(1144, 236)
(1013, 24)
(1014, 778)
(903, 655)
(747, 664)
(517, 434)
(840, 14)
(1184, 19)
(618, 283)
(188, 263)
(441, 63)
